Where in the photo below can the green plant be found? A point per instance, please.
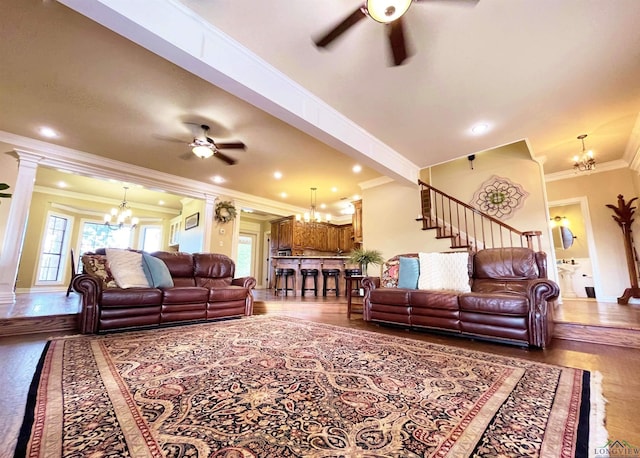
(364, 257)
(4, 195)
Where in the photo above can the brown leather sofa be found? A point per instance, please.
(204, 289)
(511, 300)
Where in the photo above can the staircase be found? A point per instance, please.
(467, 227)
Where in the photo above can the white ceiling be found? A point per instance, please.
(541, 70)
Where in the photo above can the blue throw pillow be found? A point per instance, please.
(156, 271)
(408, 273)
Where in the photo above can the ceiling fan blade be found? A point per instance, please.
(224, 157)
(397, 41)
(338, 30)
(230, 145)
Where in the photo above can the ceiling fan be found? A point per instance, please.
(204, 146)
(388, 12)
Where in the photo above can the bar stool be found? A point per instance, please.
(327, 274)
(354, 283)
(286, 273)
(309, 273)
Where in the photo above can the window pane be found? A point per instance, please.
(151, 238)
(245, 247)
(99, 235)
(51, 256)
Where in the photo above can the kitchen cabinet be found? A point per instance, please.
(297, 236)
(175, 226)
(357, 222)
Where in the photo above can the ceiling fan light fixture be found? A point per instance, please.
(203, 152)
(386, 11)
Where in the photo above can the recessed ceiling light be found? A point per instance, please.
(62, 184)
(480, 128)
(357, 168)
(218, 179)
(334, 189)
(277, 175)
(48, 132)
(356, 197)
(283, 195)
(161, 202)
(323, 206)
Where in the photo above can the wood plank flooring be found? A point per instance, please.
(620, 366)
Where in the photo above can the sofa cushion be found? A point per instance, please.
(97, 266)
(434, 299)
(126, 267)
(408, 273)
(131, 297)
(444, 271)
(185, 295)
(156, 271)
(390, 296)
(229, 293)
(506, 263)
(494, 303)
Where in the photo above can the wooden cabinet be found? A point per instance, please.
(357, 221)
(297, 236)
(175, 226)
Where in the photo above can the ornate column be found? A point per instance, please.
(17, 224)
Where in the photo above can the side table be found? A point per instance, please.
(349, 286)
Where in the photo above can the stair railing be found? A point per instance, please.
(468, 227)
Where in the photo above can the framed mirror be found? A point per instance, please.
(562, 237)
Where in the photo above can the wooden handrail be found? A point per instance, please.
(467, 226)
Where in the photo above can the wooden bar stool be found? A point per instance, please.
(313, 273)
(354, 283)
(327, 274)
(286, 273)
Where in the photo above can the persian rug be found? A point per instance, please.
(281, 387)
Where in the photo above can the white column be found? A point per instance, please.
(209, 221)
(16, 225)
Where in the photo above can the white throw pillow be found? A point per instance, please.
(440, 271)
(429, 277)
(454, 271)
(126, 268)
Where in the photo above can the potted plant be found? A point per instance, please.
(364, 257)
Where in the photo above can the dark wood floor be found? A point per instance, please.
(619, 365)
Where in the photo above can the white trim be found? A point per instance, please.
(600, 167)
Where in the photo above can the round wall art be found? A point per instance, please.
(499, 197)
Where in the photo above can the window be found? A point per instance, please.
(151, 238)
(245, 255)
(54, 248)
(98, 235)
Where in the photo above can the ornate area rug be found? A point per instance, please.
(280, 387)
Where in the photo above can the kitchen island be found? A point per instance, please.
(311, 262)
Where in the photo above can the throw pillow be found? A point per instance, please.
(454, 271)
(126, 267)
(156, 271)
(408, 273)
(389, 277)
(97, 266)
(429, 277)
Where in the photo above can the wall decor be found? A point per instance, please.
(499, 197)
(225, 211)
(191, 221)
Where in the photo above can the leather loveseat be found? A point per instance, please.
(203, 289)
(510, 300)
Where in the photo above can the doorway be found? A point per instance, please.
(576, 262)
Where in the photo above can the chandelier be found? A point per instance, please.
(121, 216)
(585, 161)
(312, 216)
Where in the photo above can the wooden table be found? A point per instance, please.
(349, 287)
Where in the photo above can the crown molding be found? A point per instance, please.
(601, 167)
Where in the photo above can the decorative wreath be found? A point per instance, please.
(225, 211)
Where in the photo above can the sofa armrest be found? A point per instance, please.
(541, 293)
(368, 284)
(245, 282)
(90, 289)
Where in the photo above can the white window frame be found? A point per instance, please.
(64, 255)
(143, 233)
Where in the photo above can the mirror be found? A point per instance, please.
(562, 237)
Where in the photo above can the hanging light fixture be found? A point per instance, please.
(121, 216)
(312, 216)
(385, 11)
(585, 161)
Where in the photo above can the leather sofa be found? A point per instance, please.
(204, 289)
(510, 301)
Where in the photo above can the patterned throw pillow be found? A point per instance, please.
(390, 271)
(97, 266)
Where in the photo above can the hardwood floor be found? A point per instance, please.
(619, 365)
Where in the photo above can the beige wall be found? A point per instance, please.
(600, 189)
